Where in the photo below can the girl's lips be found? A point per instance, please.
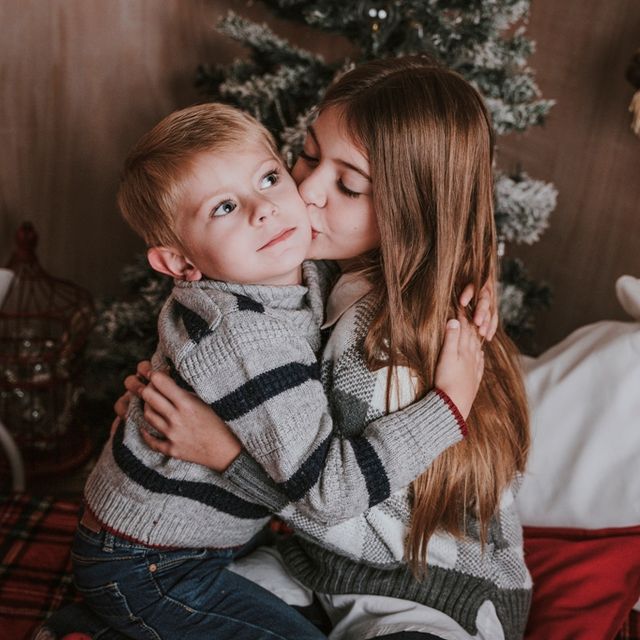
(314, 234)
(281, 237)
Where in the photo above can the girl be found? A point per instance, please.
(396, 172)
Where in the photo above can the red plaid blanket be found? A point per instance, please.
(35, 536)
(35, 570)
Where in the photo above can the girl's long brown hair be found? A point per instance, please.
(428, 138)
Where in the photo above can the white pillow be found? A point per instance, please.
(584, 396)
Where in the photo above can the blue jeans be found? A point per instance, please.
(152, 594)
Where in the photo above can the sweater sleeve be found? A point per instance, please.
(344, 476)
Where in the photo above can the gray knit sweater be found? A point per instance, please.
(366, 554)
(249, 352)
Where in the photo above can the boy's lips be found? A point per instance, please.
(314, 233)
(279, 237)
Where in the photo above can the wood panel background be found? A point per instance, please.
(82, 79)
(586, 148)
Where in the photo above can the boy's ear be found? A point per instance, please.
(172, 263)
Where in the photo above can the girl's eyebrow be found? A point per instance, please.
(348, 165)
(344, 163)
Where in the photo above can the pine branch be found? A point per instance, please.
(523, 207)
(268, 49)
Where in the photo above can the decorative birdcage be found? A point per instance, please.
(44, 324)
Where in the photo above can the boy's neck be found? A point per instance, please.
(293, 277)
(286, 279)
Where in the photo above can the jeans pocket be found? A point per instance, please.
(188, 577)
(169, 560)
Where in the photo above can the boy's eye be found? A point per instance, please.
(223, 209)
(270, 179)
(307, 157)
(347, 192)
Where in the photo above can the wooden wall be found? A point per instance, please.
(587, 149)
(82, 79)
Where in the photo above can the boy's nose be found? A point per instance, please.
(263, 210)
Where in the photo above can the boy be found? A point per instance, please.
(207, 192)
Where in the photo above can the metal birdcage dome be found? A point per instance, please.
(44, 325)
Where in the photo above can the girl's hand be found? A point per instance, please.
(485, 316)
(461, 364)
(191, 430)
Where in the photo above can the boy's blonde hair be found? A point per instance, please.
(151, 187)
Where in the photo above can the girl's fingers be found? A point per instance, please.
(158, 402)
(482, 315)
(154, 419)
(161, 446)
(493, 326)
(466, 331)
(467, 295)
(451, 338)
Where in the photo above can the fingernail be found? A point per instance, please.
(453, 324)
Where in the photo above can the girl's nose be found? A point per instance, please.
(312, 192)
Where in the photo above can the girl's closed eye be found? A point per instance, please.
(223, 209)
(347, 192)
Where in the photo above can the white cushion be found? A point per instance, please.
(584, 396)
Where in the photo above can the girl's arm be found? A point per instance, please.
(343, 476)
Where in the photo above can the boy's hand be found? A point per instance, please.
(461, 364)
(121, 405)
(485, 315)
(134, 385)
(191, 429)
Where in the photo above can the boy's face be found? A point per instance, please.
(241, 218)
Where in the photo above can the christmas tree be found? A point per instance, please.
(280, 84)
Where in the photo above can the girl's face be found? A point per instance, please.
(333, 179)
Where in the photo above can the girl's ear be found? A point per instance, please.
(172, 263)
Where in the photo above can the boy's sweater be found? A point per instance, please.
(249, 352)
(366, 554)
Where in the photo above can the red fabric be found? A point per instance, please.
(35, 570)
(585, 582)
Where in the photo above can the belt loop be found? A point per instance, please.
(108, 543)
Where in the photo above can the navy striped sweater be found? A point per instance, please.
(249, 351)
